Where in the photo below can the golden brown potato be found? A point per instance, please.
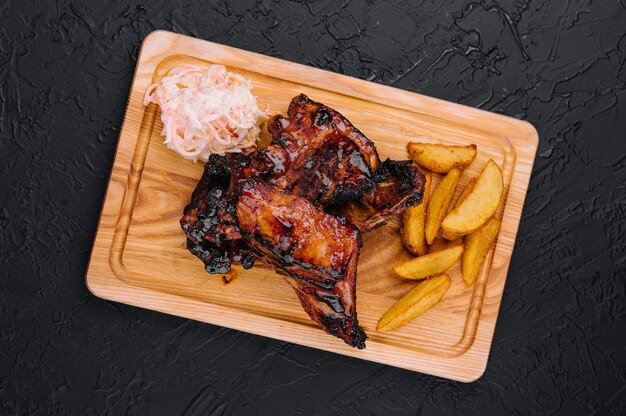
(468, 188)
(429, 264)
(441, 243)
(480, 205)
(413, 222)
(477, 245)
(413, 304)
(465, 192)
(439, 203)
(442, 158)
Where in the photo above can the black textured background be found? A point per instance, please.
(65, 73)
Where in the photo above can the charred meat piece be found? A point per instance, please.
(318, 154)
(210, 219)
(399, 185)
(317, 251)
(269, 206)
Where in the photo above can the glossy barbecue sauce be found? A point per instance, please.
(314, 154)
(295, 232)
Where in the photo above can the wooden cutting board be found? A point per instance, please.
(139, 255)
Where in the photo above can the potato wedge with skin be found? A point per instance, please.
(439, 203)
(413, 223)
(468, 188)
(441, 158)
(421, 298)
(441, 243)
(480, 204)
(477, 245)
(429, 264)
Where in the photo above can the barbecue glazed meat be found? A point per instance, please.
(316, 250)
(300, 204)
(318, 154)
(399, 185)
(210, 220)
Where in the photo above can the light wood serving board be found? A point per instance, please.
(139, 255)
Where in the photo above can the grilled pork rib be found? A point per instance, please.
(398, 186)
(318, 154)
(210, 219)
(315, 250)
(288, 205)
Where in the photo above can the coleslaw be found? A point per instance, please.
(207, 111)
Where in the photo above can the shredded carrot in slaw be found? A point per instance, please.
(206, 112)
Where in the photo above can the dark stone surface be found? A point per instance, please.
(559, 347)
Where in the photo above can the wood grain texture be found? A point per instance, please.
(139, 257)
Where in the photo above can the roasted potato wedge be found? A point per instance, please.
(429, 264)
(439, 203)
(441, 243)
(468, 188)
(442, 158)
(413, 223)
(465, 192)
(480, 205)
(413, 304)
(477, 245)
